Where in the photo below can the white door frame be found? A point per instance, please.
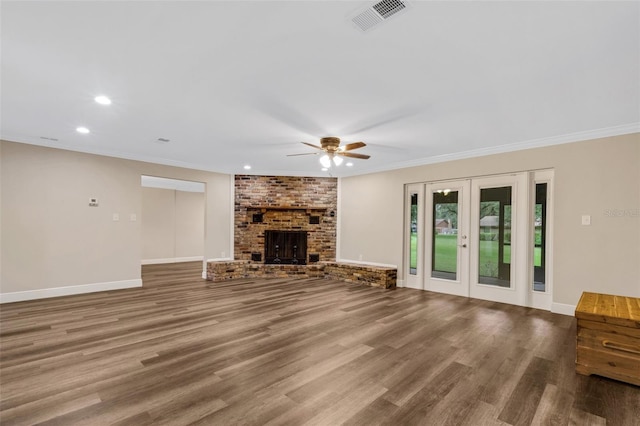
(516, 294)
(538, 299)
(459, 286)
(521, 291)
(414, 280)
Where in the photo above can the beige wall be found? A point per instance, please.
(189, 224)
(172, 224)
(591, 177)
(51, 237)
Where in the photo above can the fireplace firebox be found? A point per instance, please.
(285, 247)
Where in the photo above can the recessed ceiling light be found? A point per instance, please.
(102, 100)
(247, 167)
(349, 164)
(82, 130)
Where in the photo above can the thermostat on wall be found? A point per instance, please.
(93, 202)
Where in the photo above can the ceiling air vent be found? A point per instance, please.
(372, 16)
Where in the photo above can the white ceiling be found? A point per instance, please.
(236, 82)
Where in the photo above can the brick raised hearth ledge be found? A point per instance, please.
(376, 276)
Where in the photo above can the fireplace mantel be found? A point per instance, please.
(308, 209)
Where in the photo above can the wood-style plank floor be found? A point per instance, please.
(182, 351)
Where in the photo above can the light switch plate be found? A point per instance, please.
(116, 217)
(133, 217)
(586, 219)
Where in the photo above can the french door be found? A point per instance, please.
(447, 237)
(499, 227)
(470, 238)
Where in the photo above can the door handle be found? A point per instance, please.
(462, 245)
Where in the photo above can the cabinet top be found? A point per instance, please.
(619, 310)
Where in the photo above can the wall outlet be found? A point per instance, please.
(222, 254)
(586, 219)
(133, 217)
(360, 257)
(116, 217)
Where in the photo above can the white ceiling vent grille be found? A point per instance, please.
(372, 16)
(387, 8)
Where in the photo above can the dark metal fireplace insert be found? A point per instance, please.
(285, 247)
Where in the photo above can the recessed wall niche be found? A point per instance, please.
(285, 203)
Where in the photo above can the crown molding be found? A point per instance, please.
(518, 146)
(624, 129)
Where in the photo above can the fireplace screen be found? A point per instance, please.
(285, 247)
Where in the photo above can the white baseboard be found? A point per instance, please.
(400, 283)
(171, 260)
(564, 309)
(415, 287)
(20, 296)
(361, 262)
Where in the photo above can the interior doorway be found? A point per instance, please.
(172, 223)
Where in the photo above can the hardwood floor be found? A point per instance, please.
(182, 351)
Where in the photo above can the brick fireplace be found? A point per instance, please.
(293, 206)
(290, 213)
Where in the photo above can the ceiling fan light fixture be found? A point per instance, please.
(325, 161)
(102, 100)
(337, 160)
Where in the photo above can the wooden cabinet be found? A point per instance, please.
(608, 337)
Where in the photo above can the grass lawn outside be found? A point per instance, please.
(413, 251)
(446, 254)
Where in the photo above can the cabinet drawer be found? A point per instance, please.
(609, 342)
(608, 364)
(609, 328)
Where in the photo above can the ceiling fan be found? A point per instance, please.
(334, 152)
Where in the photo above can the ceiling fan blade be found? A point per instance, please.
(312, 145)
(354, 155)
(354, 145)
(306, 153)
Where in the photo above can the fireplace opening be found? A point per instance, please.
(285, 247)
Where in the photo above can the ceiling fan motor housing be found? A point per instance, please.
(330, 143)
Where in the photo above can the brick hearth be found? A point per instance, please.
(371, 275)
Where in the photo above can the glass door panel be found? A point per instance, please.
(495, 237)
(413, 235)
(539, 237)
(444, 241)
